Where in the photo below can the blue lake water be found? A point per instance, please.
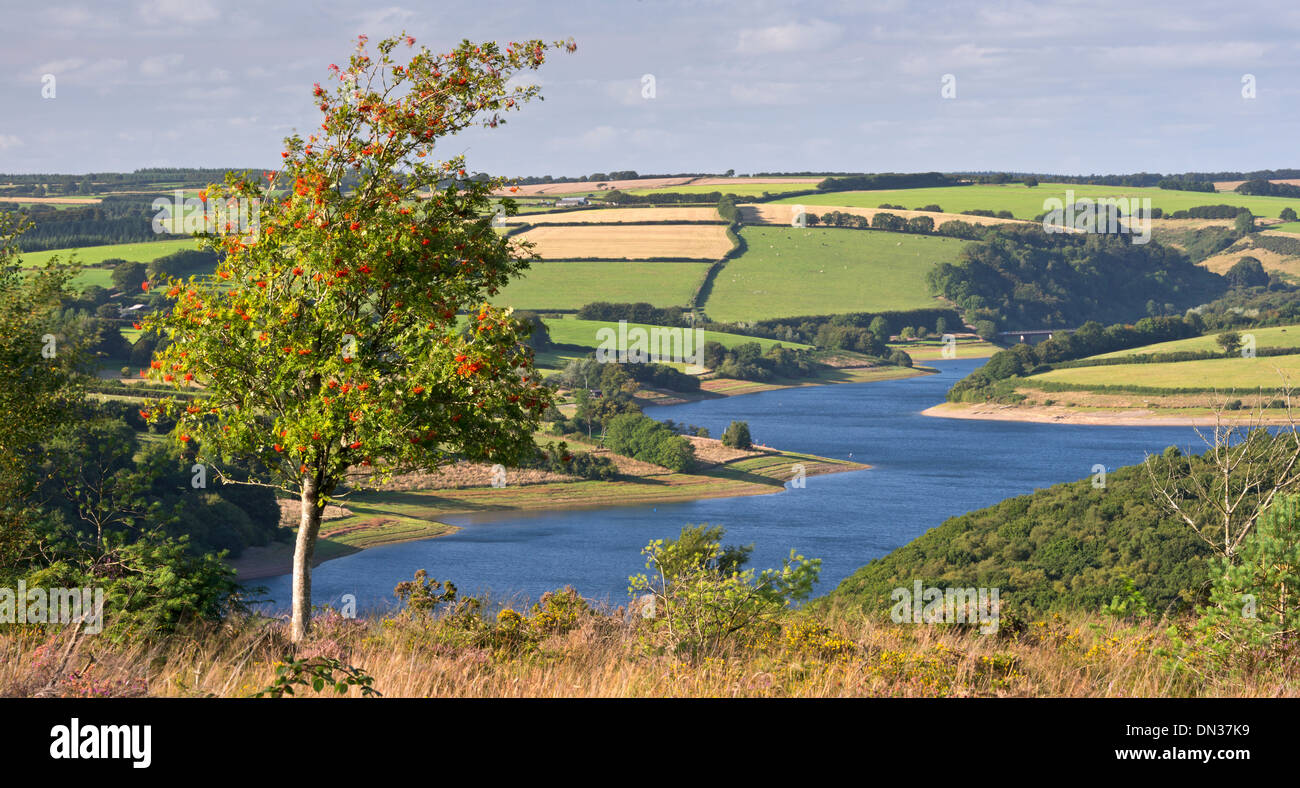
(924, 470)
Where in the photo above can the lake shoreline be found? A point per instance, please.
(1057, 414)
(259, 563)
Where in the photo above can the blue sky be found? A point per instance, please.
(753, 86)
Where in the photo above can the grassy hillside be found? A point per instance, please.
(1273, 336)
(786, 272)
(1268, 372)
(1026, 203)
(133, 252)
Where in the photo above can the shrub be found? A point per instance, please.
(697, 601)
(641, 437)
(737, 435)
(900, 358)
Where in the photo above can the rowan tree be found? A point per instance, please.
(326, 348)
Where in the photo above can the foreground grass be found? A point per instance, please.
(608, 653)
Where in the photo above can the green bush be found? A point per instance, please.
(737, 435)
(641, 437)
(696, 600)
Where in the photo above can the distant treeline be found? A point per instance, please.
(830, 330)
(640, 312)
(889, 222)
(114, 220)
(1267, 188)
(46, 184)
(888, 180)
(1204, 212)
(1134, 179)
(1180, 184)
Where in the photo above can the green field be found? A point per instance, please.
(570, 330)
(143, 252)
(570, 285)
(1026, 203)
(787, 272)
(1276, 336)
(1241, 374)
(930, 350)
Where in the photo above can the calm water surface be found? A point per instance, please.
(924, 470)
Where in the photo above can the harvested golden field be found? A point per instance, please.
(632, 242)
(1174, 225)
(784, 213)
(616, 215)
(1227, 186)
(1273, 262)
(535, 189)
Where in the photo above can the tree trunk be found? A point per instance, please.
(304, 548)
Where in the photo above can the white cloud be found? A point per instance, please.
(598, 137)
(794, 37)
(770, 93)
(174, 11)
(384, 21)
(160, 65)
(8, 141)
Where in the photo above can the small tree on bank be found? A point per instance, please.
(330, 341)
(737, 435)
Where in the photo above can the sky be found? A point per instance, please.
(755, 86)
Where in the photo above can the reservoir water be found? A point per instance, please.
(924, 470)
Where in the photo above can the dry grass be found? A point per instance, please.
(612, 215)
(463, 475)
(632, 242)
(1273, 262)
(1227, 186)
(784, 213)
(605, 654)
(710, 451)
(291, 512)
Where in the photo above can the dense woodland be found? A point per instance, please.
(1071, 546)
(1022, 278)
